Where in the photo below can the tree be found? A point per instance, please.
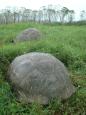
(1, 18)
(48, 13)
(44, 10)
(26, 15)
(83, 15)
(51, 14)
(40, 15)
(71, 14)
(63, 13)
(34, 15)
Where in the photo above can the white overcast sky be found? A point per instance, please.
(76, 5)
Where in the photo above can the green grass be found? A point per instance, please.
(66, 42)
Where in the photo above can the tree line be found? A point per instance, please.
(47, 14)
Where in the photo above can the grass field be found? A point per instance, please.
(67, 43)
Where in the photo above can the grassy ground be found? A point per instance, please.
(68, 43)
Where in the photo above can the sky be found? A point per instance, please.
(76, 5)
